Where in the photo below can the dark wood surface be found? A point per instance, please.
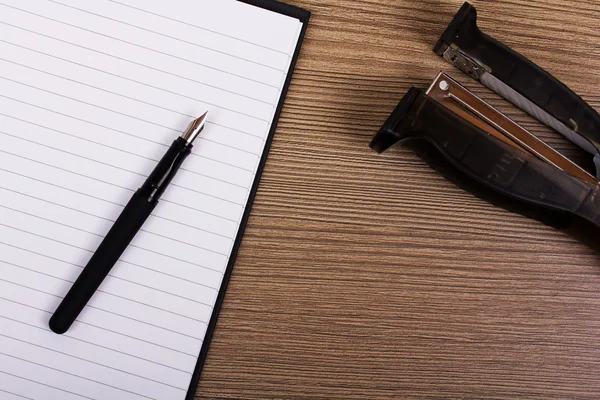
(365, 276)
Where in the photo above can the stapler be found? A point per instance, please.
(520, 81)
(486, 153)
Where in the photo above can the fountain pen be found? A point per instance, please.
(133, 216)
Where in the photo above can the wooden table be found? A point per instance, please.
(365, 276)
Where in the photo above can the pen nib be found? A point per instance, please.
(194, 129)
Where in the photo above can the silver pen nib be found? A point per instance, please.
(194, 129)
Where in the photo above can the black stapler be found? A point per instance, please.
(520, 81)
(485, 152)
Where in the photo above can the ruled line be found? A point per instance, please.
(43, 384)
(125, 262)
(118, 186)
(121, 132)
(108, 201)
(257, 155)
(141, 322)
(198, 210)
(122, 114)
(69, 373)
(115, 332)
(168, 36)
(33, 197)
(199, 27)
(83, 359)
(114, 184)
(112, 276)
(90, 251)
(107, 164)
(205, 84)
(116, 76)
(108, 219)
(146, 231)
(158, 308)
(109, 294)
(14, 394)
(109, 147)
(126, 42)
(103, 347)
(100, 236)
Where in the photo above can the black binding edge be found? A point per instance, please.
(303, 16)
(281, 8)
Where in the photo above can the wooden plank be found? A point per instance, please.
(365, 276)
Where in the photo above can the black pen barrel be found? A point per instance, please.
(133, 216)
(110, 250)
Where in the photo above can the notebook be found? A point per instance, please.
(91, 95)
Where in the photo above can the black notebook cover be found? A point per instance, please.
(303, 16)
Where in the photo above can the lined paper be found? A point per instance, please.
(91, 95)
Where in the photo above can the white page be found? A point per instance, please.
(91, 95)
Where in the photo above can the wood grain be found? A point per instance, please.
(365, 276)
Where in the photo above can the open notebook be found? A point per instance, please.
(91, 95)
